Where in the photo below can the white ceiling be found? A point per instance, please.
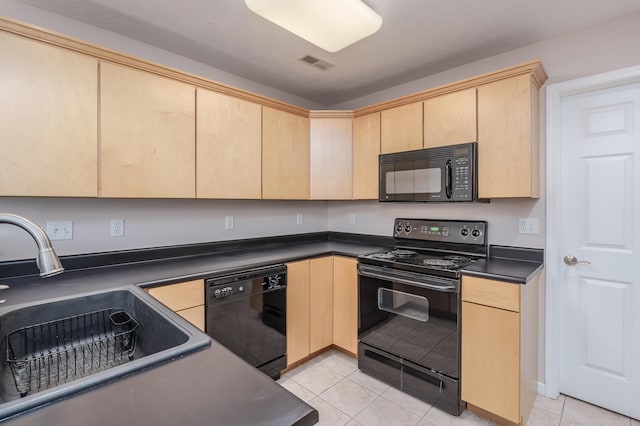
(417, 38)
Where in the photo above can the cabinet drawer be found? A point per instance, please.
(180, 296)
(496, 294)
(194, 315)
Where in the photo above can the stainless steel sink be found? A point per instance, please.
(87, 340)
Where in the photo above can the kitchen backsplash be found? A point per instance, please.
(156, 223)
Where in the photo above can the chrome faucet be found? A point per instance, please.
(47, 261)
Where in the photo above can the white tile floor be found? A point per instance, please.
(332, 383)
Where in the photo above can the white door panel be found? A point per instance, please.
(599, 302)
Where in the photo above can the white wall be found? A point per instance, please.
(598, 48)
(377, 218)
(107, 39)
(153, 223)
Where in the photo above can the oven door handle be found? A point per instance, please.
(408, 278)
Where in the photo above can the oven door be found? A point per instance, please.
(409, 334)
(413, 316)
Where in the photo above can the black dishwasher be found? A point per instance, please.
(246, 313)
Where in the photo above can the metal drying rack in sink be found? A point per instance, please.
(55, 352)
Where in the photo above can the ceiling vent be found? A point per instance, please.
(318, 63)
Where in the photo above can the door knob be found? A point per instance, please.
(572, 261)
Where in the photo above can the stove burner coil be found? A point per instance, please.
(385, 256)
(403, 253)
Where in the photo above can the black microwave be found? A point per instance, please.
(442, 174)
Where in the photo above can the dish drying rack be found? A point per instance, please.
(55, 352)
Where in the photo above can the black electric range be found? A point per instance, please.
(409, 307)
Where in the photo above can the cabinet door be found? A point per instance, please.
(320, 303)
(490, 373)
(366, 148)
(229, 147)
(181, 295)
(331, 158)
(147, 146)
(48, 120)
(194, 315)
(401, 128)
(345, 303)
(297, 311)
(508, 157)
(285, 155)
(450, 119)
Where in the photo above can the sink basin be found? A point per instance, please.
(113, 333)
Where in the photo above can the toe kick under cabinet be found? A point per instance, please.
(499, 348)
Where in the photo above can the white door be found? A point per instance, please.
(599, 222)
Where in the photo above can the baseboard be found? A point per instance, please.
(541, 388)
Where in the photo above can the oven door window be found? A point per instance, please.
(405, 304)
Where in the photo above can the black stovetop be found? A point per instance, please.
(433, 247)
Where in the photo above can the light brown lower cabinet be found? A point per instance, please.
(499, 348)
(320, 303)
(345, 303)
(186, 299)
(322, 306)
(297, 311)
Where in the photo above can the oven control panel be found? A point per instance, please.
(452, 231)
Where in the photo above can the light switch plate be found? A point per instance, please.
(299, 219)
(352, 218)
(60, 230)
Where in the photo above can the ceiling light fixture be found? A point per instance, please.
(329, 24)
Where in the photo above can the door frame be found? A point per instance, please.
(553, 265)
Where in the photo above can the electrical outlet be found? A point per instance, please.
(299, 219)
(528, 225)
(117, 227)
(228, 222)
(60, 230)
(352, 218)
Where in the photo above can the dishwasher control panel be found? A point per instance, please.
(246, 284)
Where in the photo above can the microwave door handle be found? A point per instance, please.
(448, 179)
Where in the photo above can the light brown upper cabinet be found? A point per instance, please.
(48, 120)
(450, 119)
(508, 146)
(229, 147)
(366, 148)
(401, 128)
(285, 155)
(147, 147)
(331, 155)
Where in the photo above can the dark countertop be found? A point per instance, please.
(212, 387)
(209, 387)
(511, 264)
